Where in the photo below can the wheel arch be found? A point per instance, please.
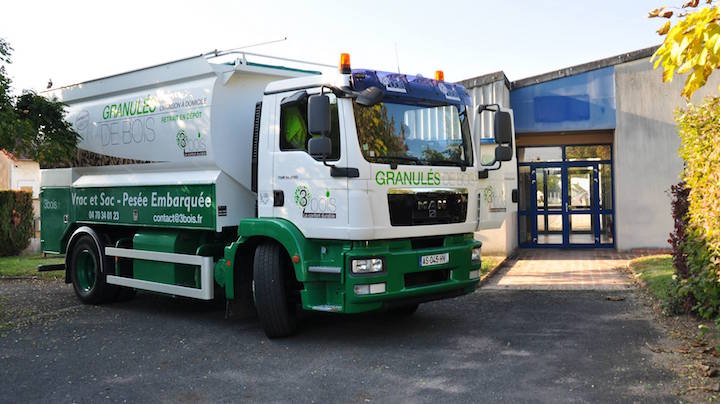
(79, 232)
(253, 232)
(280, 231)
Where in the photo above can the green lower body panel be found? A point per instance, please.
(170, 241)
(323, 267)
(404, 279)
(55, 211)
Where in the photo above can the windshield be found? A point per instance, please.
(414, 134)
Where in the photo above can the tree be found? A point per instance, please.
(691, 46)
(31, 125)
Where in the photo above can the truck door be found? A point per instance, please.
(313, 200)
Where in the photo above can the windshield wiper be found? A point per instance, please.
(395, 159)
(437, 162)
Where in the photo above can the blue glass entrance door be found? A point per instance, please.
(548, 225)
(566, 204)
(581, 205)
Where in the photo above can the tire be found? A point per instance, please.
(273, 291)
(86, 272)
(404, 311)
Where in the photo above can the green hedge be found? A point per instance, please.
(699, 128)
(16, 221)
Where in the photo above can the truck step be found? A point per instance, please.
(51, 267)
(206, 291)
(327, 308)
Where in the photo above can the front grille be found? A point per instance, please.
(415, 279)
(427, 242)
(414, 209)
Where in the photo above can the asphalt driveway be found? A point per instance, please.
(493, 345)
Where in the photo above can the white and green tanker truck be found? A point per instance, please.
(278, 187)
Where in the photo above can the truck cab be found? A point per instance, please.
(378, 174)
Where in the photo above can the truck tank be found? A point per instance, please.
(186, 122)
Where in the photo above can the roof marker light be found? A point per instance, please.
(439, 75)
(345, 63)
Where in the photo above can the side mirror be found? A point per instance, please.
(503, 153)
(318, 115)
(370, 96)
(503, 128)
(320, 146)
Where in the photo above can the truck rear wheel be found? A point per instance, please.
(273, 291)
(86, 272)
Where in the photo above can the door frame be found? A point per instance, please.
(595, 211)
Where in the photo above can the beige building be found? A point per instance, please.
(595, 154)
(22, 175)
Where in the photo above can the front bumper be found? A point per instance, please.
(406, 281)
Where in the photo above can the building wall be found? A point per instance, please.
(645, 149)
(26, 176)
(5, 170)
(502, 240)
(23, 175)
(580, 102)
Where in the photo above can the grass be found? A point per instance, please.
(27, 266)
(656, 273)
(489, 263)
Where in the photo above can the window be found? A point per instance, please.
(294, 127)
(414, 134)
(593, 152)
(528, 154)
(555, 153)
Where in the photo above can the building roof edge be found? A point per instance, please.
(585, 67)
(485, 79)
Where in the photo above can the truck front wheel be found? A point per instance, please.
(273, 291)
(86, 272)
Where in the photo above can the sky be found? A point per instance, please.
(74, 41)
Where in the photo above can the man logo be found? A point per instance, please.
(432, 206)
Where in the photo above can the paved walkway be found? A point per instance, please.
(546, 269)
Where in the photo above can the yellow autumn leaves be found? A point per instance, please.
(690, 47)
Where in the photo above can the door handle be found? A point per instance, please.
(348, 172)
(278, 198)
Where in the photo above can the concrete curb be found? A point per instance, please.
(495, 270)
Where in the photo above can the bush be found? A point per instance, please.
(683, 299)
(697, 246)
(16, 221)
(678, 237)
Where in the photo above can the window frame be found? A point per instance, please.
(285, 146)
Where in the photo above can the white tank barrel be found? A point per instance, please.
(190, 112)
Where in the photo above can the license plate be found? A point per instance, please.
(435, 259)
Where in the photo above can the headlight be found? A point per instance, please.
(475, 255)
(367, 265)
(370, 289)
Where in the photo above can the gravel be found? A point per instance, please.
(518, 346)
